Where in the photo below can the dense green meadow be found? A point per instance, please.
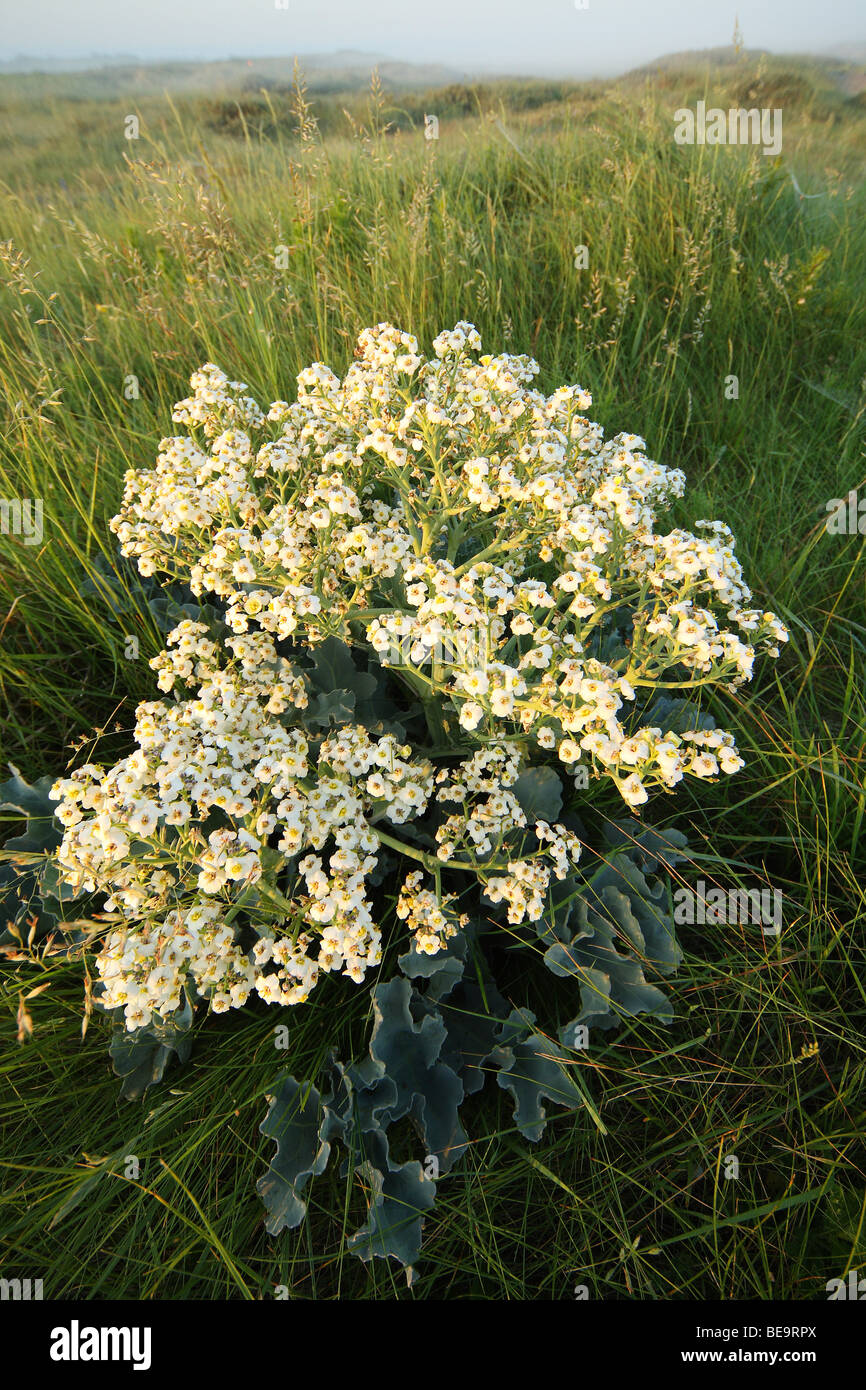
(143, 258)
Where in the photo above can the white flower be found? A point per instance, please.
(471, 714)
(633, 791)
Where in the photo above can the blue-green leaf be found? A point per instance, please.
(539, 792)
(533, 1068)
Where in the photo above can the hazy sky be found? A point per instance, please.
(607, 36)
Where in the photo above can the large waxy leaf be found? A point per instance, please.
(358, 1107)
(470, 1005)
(555, 925)
(471, 1028)
(334, 669)
(142, 1055)
(402, 1075)
(677, 716)
(331, 710)
(612, 987)
(31, 891)
(345, 694)
(363, 1096)
(427, 1052)
(616, 909)
(647, 846)
(295, 1120)
(442, 970)
(436, 1040)
(408, 1053)
(30, 801)
(533, 1068)
(611, 929)
(640, 911)
(539, 792)
(130, 596)
(400, 1194)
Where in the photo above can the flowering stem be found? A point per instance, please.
(677, 685)
(430, 861)
(497, 547)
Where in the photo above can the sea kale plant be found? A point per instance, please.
(443, 648)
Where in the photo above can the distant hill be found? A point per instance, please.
(848, 52)
(124, 75)
(730, 57)
(788, 72)
(25, 62)
(690, 58)
(842, 68)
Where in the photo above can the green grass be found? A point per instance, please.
(158, 255)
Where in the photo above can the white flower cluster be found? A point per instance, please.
(216, 402)
(484, 544)
(389, 479)
(489, 814)
(133, 833)
(430, 920)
